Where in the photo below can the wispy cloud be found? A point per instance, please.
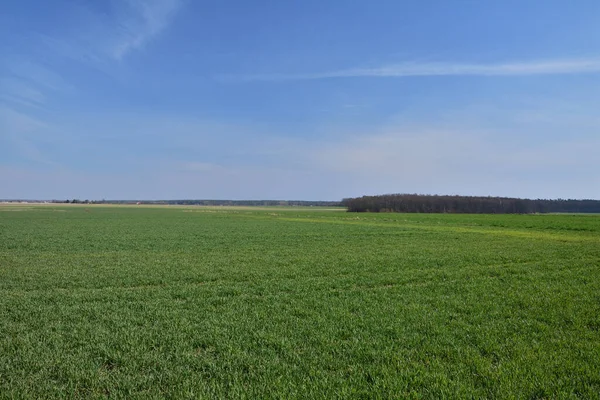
(140, 22)
(99, 39)
(20, 92)
(30, 84)
(19, 132)
(13, 121)
(37, 74)
(190, 158)
(408, 69)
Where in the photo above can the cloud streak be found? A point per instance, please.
(143, 20)
(101, 39)
(28, 87)
(416, 69)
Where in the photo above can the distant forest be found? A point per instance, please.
(404, 203)
(416, 203)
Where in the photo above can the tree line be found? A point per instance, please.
(418, 203)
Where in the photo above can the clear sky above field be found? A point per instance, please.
(298, 99)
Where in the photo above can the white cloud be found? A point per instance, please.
(408, 69)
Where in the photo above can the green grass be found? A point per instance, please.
(184, 302)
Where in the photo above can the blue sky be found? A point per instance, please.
(313, 100)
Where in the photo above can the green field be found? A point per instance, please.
(190, 302)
